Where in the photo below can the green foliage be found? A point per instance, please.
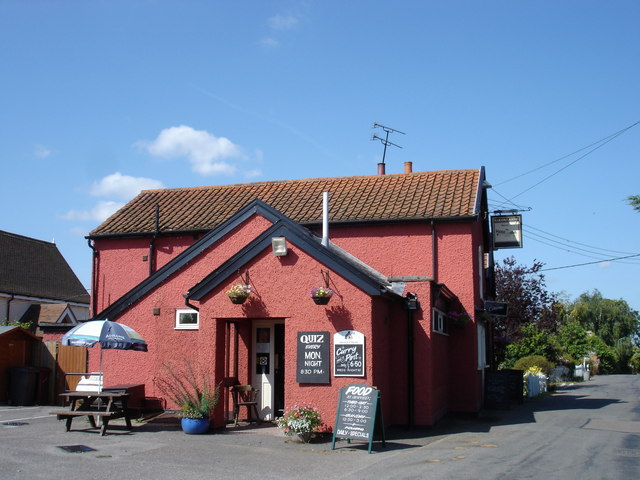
(25, 325)
(624, 351)
(606, 355)
(608, 319)
(574, 340)
(634, 362)
(530, 362)
(524, 290)
(190, 390)
(634, 201)
(534, 341)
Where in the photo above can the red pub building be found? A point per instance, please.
(407, 257)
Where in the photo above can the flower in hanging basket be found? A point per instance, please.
(321, 295)
(458, 320)
(321, 292)
(239, 293)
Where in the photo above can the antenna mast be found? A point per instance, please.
(385, 141)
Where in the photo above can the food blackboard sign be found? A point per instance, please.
(313, 358)
(348, 354)
(359, 412)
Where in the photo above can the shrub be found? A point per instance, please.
(525, 363)
(635, 363)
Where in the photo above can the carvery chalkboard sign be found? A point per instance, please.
(359, 413)
(313, 358)
(348, 354)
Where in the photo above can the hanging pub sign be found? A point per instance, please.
(507, 231)
(348, 354)
(359, 415)
(313, 358)
(497, 309)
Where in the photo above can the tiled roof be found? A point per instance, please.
(419, 195)
(34, 268)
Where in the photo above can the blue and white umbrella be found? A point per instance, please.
(110, 335)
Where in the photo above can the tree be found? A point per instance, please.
(634, 201)
(609, 319)
(524, 290)
(574, 340)
(533, 341)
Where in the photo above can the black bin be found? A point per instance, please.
(28, 385)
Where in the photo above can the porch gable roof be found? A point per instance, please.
(332, 256)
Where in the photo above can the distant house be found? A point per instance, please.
(38, 286)
(407, 255)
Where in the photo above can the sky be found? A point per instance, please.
(100, 99)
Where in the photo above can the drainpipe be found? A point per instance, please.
(434, 252)
(190, 305)
(6, 320)
(325, 219)
(410, 304)
(94, 276)
(153, 241)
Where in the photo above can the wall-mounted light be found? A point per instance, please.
(279, 246)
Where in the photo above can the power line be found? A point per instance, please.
(569, 250)
(588, 263)
(578, 243)
(607, 139)
(610, 139)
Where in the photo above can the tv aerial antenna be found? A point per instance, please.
(385, 141)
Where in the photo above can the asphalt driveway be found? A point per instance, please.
(585, 431)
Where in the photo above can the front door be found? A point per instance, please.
(268, 367)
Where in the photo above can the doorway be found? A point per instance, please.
(268, 367)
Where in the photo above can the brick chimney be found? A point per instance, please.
(408, 167)
(381, 169)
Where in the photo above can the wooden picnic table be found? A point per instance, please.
(105, 405)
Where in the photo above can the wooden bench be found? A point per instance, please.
(83, 404)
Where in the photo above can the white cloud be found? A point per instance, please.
(605, 264)
(123, 187)
(204, 151)
(42, 151)
(253, 173)
(269, 42)
(283, 22)
(103, 210)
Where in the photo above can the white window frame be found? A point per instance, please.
(187, 326)
(482, 346)
(439, 322)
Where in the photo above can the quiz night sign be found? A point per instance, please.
(313, 357)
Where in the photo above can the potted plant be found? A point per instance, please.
(193, 392)
(239, 293)
(321, 295)
(301, 421)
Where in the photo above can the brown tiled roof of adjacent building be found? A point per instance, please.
(418, 195)
(34, 268)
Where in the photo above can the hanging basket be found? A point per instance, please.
(238, 299)
(321, 295)
(239, 293)
(321, 300)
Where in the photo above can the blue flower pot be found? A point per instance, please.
(195, 426)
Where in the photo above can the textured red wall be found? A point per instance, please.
(444, 365)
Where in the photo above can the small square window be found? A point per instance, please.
(440, 323)
(187, 319)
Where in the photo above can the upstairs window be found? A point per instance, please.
(187, 319)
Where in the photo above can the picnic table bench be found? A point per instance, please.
(105, 405)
